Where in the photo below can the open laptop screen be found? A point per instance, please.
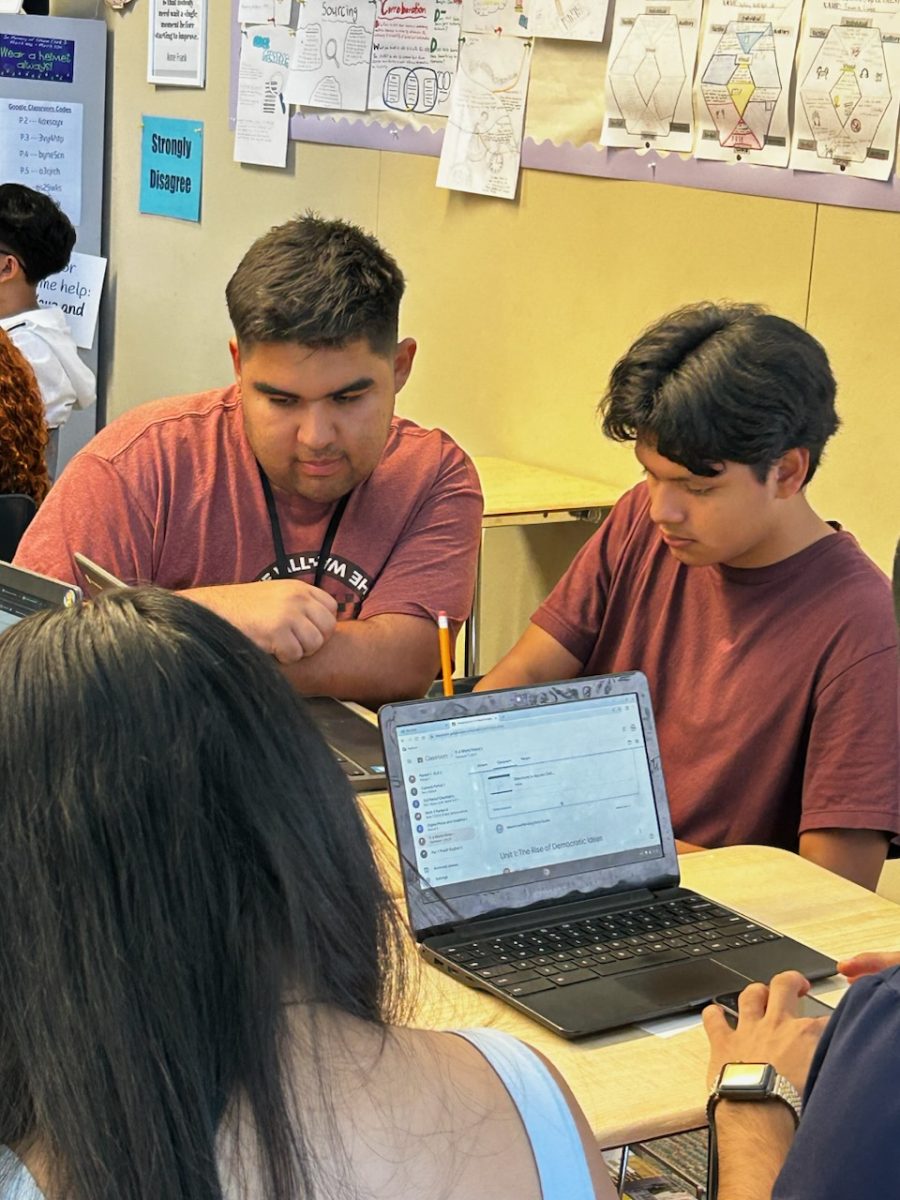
(24, 592)
(529, 791)
(511, 797)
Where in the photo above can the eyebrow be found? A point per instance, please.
(357, 385)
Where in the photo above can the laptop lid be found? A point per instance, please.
(25, 592)
(525, 797)
(97, 579)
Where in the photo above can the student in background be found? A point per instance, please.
(23, 431)
(293, 503)
(199, 958)
(767, 635)
(36, 240)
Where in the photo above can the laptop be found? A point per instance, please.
(539, 863)
(24, 592)
(355, 742)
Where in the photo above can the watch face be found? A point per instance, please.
(753, 1078)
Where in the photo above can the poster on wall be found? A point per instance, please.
(743, 87)
(41, 146)
(648, 79)
(332, 52)
(414, 55)
(261, 126)
(76, 290)
(176, 46)
(171, 167)
(848, 88)
(482, 147)
(51, 60)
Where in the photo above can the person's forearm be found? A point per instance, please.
(371, 661)
(753, 1142)
(856, 854)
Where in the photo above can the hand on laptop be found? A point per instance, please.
(287, 618)
(869, 963)
(768, 1030)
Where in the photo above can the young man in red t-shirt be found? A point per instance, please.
(293, 503)
(767, 635)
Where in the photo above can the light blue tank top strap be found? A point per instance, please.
(16, 1182)
(548, 1120)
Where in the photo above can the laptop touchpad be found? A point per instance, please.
(682, 984)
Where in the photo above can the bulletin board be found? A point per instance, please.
(562, 131)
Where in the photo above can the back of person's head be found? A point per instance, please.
(712, 383)
(36, 230)
(180, 857)
(318, 283)
(23, 428)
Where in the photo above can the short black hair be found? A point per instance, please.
(712, 383)
(317, 283)
(36, 230)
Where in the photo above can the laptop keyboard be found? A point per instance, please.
(551, 956)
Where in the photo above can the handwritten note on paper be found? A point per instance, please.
(414, 55)
(332, 49)
(483, 140)
(576, 20)
(256, 12)
(495, 16)
(261, 127)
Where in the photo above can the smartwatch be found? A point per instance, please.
(745, 1081)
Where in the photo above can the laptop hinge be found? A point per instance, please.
(541, 914)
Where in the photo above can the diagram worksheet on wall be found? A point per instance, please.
(742, 90)
(848, 88)
(483, 139)
(648, 79)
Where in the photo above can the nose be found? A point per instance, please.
(666, 504)
(315, 429)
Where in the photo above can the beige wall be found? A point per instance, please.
(520, 308)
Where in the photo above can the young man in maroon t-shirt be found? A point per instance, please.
(767, 635)
(294, 503)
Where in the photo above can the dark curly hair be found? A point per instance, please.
(23, 429)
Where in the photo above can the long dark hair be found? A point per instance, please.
(179, 854)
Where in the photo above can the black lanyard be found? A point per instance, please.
(327, 542)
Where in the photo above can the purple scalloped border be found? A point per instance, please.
(598, 161)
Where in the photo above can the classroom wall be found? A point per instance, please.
(520, 308)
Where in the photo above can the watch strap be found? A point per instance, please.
(781, 1090)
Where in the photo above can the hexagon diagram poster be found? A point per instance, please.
(743, 86)
(848, 89)
(648, 81)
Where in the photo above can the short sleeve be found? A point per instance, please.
(432, 566)
(573, 612)
(93, 511)
(847, 1143)
(852, 771)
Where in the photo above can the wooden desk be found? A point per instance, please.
(634, 1085)
(518, 494)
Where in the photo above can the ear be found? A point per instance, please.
(403, 361)
(789, 472)
(9, 268)
(235, 358)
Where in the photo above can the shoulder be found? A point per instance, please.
(422, 467)
(408, 442)
(165, 422)
(853, 597)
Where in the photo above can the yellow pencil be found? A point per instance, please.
(444, 642)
